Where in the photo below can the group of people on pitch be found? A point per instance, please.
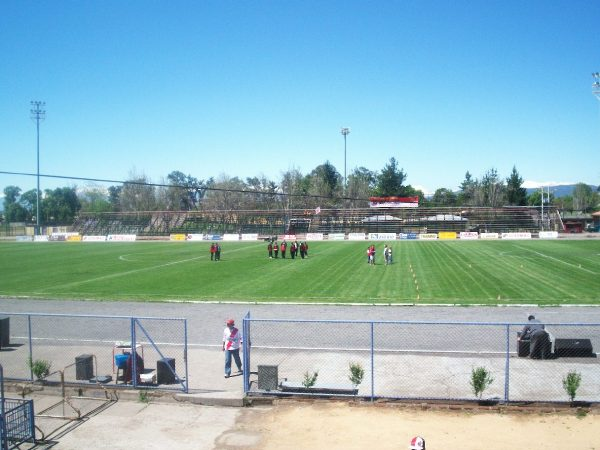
(273, 249)
(387, 255)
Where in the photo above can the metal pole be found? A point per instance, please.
(372, 361)
(345, 132)
(37, 114)
(507, 365)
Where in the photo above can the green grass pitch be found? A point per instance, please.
(543, 272)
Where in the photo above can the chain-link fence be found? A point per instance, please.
(109, 350)
(418, 360)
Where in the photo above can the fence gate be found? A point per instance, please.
(160, 353)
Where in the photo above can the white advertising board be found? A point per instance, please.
(382, 236)
(249, 236)
(428, 236)
(94, 238)
(336, 236)
(356, 236)
(231, 237)
(521, 235)
(314, 236)
(468, 235)
(488, 235)
(120, 237)
(548, 234)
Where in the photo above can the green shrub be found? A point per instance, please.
(40, 367)
(571, 383)
(310, 379)
(481, 378)
(356, 373)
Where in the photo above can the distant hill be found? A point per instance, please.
(560, 190)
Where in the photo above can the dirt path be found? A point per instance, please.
(339, 425)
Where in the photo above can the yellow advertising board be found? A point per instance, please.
(178, 237)
(447, 235)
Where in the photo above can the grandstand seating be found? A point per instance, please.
(368, 220)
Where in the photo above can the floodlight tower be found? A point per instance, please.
(345, 132)
(38, 113)
(596, 85)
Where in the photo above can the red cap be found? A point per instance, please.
(230, 322)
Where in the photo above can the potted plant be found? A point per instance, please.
(481, 378)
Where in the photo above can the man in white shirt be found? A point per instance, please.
(232, 339)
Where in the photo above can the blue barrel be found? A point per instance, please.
(121, 361)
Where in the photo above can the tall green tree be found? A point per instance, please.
(114, 197)
(516, 194)
(294, 185)
(444, 197)
(13, 210)
(94, 199)
(391, 180)
(324, 181)
(583, 197)
(137, 194)
(60, 206)
(493, 189)
(184, 192)
(466, 195)
(361, 185)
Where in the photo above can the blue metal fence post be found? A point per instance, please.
(507, 366)
(372, 361)
(3, 437)
(133, 355)
(246, 349)
(185, 356)
(30, 347)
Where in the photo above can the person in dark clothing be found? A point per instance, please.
(217, 252)
(539, 340)
(276, 249)
(270, 249)
(139, 368)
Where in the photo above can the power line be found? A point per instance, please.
(140, 183)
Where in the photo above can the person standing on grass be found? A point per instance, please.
(212, 251)
(270, 249)
(283, 248)
(276, 249)
(217, 252)
(232, 339)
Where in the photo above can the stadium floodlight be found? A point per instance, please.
(596, 85)
(38, 113)
(345, 132)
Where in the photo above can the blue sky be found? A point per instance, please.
(259, 87)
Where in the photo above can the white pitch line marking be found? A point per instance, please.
(559, 260)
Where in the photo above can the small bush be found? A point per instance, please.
(481, 378)
(356, 373)
(571, 383)
(39, 367)
(310, 379)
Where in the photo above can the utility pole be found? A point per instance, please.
(345, 132)
(38, 113)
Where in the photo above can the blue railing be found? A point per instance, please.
(62, 339)
(17, 420)
(421, 360)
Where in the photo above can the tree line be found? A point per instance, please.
(323, 187)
